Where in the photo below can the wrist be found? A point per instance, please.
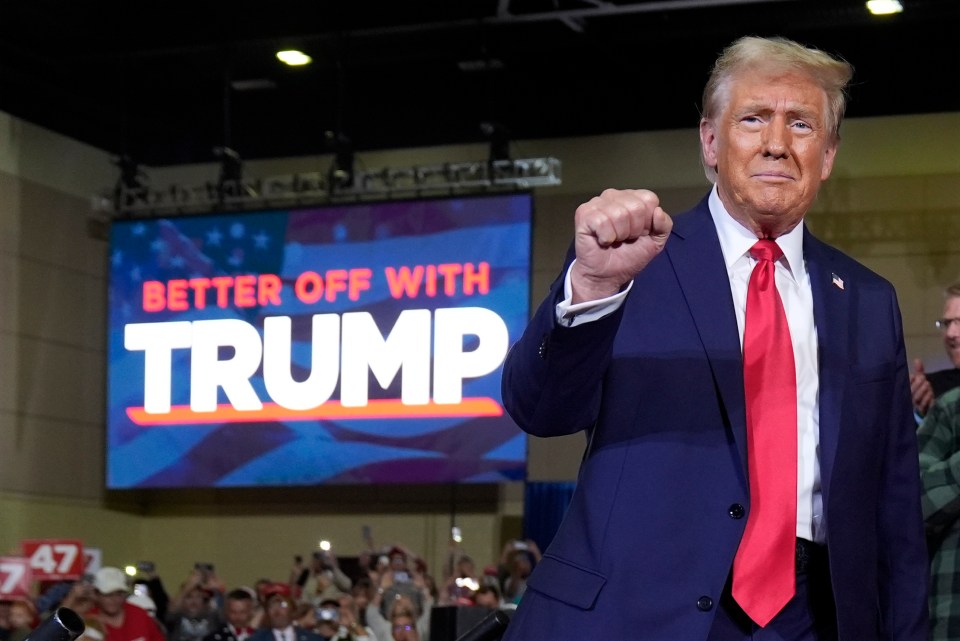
(586, 288)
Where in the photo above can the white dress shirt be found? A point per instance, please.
(284, 634)
(793, 284)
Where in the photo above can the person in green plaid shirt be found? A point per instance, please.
(939, 442)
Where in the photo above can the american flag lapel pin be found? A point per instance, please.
(837, 281)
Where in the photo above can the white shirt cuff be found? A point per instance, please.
(570, 315)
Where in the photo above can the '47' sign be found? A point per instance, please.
(15, 578)
(54, 559)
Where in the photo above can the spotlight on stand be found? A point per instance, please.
(341, 176)
(64, 625)
(131, 185)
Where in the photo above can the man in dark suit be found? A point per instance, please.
(641, 343)
(281, 611)
(238, 615)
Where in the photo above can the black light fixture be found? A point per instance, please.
(131, 185)
(499, 137)
(341, 175)
(231, 173)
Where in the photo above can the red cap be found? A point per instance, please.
(276, 588)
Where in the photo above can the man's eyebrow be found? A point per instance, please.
(794, 110)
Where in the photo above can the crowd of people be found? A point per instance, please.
(387, 595)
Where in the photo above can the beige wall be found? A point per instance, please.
(893, 202)
(32, 516)
(52, 298)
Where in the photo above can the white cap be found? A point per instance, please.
(109, 580)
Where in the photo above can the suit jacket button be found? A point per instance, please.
(542, 349)
(735, 511)
(704, 603)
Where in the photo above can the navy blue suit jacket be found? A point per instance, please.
(649, 538)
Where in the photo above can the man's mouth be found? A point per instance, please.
(774, 176)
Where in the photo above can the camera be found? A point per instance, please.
(205, 568)
(326, 614)
(145, 566)
(324, 558)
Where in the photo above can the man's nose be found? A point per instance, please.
(776, 138)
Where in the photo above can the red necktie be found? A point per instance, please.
(764, 576)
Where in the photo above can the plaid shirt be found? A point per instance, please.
(939, 442)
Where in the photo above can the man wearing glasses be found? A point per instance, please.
(924, 387)
(404, 627)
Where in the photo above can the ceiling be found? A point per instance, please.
(166, 82)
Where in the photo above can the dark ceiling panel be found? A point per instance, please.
(153, 79)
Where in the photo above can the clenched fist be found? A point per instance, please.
(617, 234)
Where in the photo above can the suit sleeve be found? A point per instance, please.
(553, 376)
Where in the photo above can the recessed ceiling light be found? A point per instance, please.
(884, 7)
(294, 58)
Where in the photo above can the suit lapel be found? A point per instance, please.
(698, 263)
(831, 313)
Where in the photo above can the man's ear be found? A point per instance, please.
(829, 154)
(708, 143)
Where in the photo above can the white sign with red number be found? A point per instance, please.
(54, 559)
(93, 560)
(15, 578)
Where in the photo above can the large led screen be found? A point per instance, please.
(358, 343)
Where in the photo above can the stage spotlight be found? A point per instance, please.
(230, 182)
(499, 137)
(131, 185)
(341, 175)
